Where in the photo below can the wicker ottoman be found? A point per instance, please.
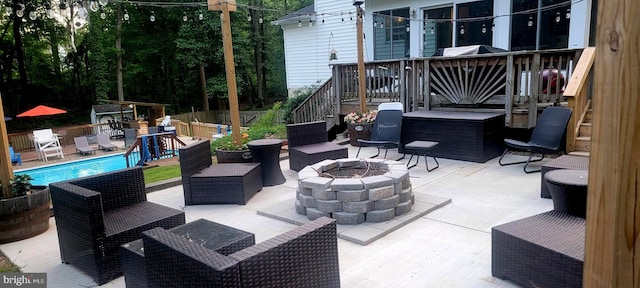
(544, 250)
(228, 183)
(562, 162)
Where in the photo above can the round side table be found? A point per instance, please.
(267, 153)
(568, 189)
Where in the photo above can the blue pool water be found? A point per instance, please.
(70, 170)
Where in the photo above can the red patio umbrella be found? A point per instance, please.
(41, 110)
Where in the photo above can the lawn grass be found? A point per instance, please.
(160, 173)
(6, 266)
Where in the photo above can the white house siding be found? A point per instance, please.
(307, 48)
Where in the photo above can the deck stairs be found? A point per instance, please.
(583, 139)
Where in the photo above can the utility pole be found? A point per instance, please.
(362, 95)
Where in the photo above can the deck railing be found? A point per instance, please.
(578, 96)
(518, 83)
(317, 107)
(21, 141)
(152, 147)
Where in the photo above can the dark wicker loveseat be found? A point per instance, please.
(96, 214)
(306, 256)
(308, 144)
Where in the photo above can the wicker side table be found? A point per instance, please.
(562, 162)
(229, 183)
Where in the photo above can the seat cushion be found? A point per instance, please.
(136, 215)
(319, 148)
(519, 145)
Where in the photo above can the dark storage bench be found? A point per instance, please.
(468, 136)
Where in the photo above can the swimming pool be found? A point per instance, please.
(70, 170)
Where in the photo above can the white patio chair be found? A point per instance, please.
(47, 144)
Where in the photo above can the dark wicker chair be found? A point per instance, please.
(303, 257)
(386, 132)
(547, 137)
(96, 214)
(204, 183)
(544, 250)
(308, 144)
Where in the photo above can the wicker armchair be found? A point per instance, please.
(303, 257)
(308, 144)
(97, 214)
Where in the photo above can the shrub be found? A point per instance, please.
(297, 99)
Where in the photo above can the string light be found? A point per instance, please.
(342, 15)
(185, 18)
(200, 16)
(462, 29)
(493, 27)
(152, 18)
(568, 15)
(433, 30)
(260, 20)
(126, 15)
(299, 22)
(248, 17)
(484, 29)
(310, 23)
(375, 23)
(102, 14)
(530, 22)
(408, 29)
(382, 25)
(558, 17)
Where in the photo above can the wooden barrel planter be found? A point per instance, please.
(359, 131)
(229, 156)
(25, 216)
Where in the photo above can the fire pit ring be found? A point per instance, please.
(354, 191)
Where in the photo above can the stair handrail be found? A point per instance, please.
(319, 105)
(171, 150)
(576, 93)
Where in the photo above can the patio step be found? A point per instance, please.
(585, 129)
(580, 153)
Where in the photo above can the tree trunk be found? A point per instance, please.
(119, 53)
(203, 86)
(22, 70)
(53, 42)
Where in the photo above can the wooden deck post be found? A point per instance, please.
(612, 249)
(6, 170)
(362, 87)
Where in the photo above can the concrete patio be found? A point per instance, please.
(448, 247)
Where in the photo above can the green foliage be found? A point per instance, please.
(161, 173)
(226, 143)
(267, 126)
(298, 97)
(20, 185)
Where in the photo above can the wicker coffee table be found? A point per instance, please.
(227, 183)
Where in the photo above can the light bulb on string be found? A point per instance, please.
(382, 25)
(433, 30)
(408, 29)
(462, 29)
(493, 27)
(310, 23)
(94, 6)
(261, 20)
(558, 17)
(103, 2)
(342, 15)
(299, 23)
(200, 16)
(126, 15)
(102, 14)
(248, 17)
(152, 17)
(484, 29)
(530, 22)
(568, 15)
(350, 17)
(375, 23)
(185, 18)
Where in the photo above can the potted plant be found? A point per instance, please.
(24, 211)
(359, 125)
(228, 152)
(266, 126)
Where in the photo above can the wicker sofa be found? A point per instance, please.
(96, 214)
(308, 144)
(306, 256)
(544, 250)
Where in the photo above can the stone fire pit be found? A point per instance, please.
(353, 191)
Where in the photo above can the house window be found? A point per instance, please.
(539, 24)
(476, 32)
(437, 30)
(391, 38)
